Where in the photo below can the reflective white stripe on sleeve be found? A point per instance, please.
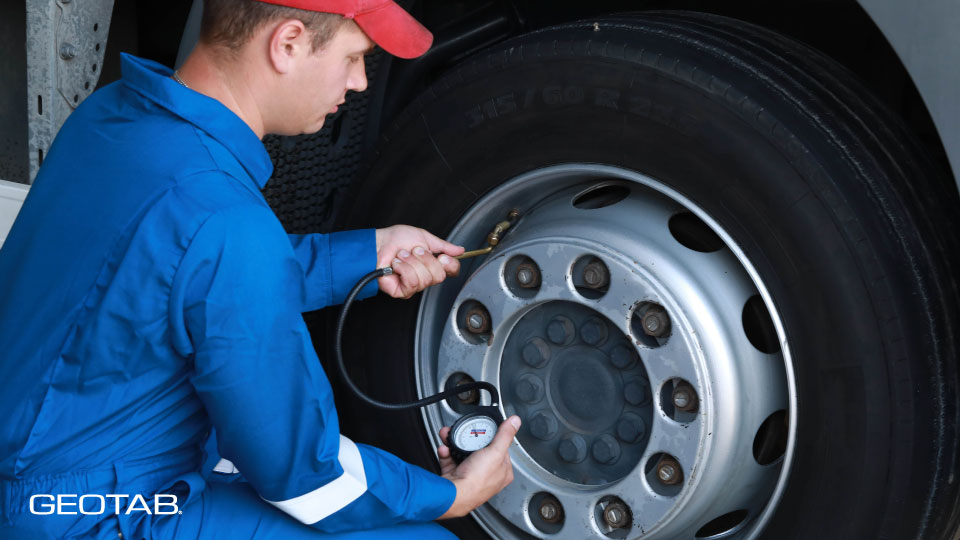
(324, 501)
(225, 466)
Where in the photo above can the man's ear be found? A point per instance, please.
(288, 41)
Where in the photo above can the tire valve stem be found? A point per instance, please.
(497, 234)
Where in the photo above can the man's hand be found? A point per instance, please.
(483, 474)
(409, 251)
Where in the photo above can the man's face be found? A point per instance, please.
(324, 76)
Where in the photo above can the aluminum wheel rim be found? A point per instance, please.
(704, 293)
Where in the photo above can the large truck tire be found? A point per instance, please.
(740, 312)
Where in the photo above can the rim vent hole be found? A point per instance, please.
(693, 233)
(770, 444)
(601, 196)
(722, 526)
(758, 326)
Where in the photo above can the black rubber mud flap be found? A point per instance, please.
(837, 208)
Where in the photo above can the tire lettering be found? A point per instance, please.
(528, 96)
(607, 97)
(474, 117)
(552, 95)
(573, 95)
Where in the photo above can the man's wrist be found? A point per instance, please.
(455, 509)
(379, 234)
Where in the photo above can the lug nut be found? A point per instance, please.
(606, 450)
(67, 51)
(535, 352)
(560, 330)
(572, 448)
(543, 426)
(528, 276)
(685, 397)
(478, 320)
(617, 515)
(596, 275)
(655, 321)
(669, 472)
(529, 388)
(550, 510)
(635, 393)
(631, 428)
(623, 357)
(593, 332)
(470, 396)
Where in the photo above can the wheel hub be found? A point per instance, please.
(559, 363)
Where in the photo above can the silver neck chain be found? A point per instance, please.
(176, 77)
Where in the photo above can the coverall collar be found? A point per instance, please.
(152, 81)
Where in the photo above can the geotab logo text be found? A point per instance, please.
(71, 504)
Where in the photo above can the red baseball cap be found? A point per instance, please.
(386, 23)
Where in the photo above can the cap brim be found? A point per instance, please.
(395, 30)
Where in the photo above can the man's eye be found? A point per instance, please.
(354, 59)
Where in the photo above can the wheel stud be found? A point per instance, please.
(669, 472)
(655, 321)
(478, 320)
(596, 275)
(572, 448)
(606, 450)
(617, 515)
(685, 397)
(543, 426)
(550, 510)
(528, 276)
(535, 352)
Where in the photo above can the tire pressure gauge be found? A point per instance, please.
(469, 433)
(473, 431)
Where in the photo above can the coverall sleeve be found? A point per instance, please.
(236, 303)
(333, 263)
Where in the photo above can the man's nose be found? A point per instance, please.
(357, 81)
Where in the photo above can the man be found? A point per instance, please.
(149, 294)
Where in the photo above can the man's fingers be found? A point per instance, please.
(424, 277)
(450, 265)
(438, 245)
(505, 434)
(437, 272)
(444, 434)
(407, 273)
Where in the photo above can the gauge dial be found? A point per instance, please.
(474, 433)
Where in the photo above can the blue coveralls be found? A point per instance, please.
(148, 293)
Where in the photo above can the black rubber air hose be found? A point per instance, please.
(338, 348)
